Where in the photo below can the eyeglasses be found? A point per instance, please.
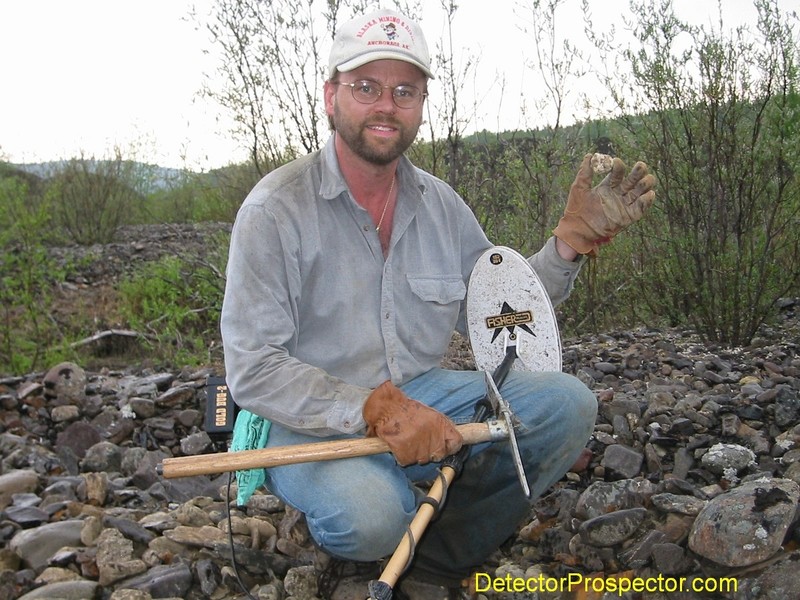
(367, 92)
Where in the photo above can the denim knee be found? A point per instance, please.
(558, 399)
(363, 529)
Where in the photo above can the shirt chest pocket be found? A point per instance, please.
(427, 321)
(442, 289)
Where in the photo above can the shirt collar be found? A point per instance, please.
(332, 183)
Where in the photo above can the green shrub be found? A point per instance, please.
(175, 303)
(29, 338)
(722, 134)
(92, 198)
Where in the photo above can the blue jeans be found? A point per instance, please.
(358, 508)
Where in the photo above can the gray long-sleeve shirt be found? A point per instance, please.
(314, 317)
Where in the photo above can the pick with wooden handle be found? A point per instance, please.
(209, 464)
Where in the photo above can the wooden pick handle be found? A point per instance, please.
(208, 464)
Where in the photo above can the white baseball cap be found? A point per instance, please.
(384, 34)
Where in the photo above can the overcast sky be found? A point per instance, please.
(88, 75)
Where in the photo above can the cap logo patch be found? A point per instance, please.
(389, 26)
(390, 29)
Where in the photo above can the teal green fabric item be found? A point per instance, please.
(250, 432)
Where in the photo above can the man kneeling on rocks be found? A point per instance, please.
(347, 275)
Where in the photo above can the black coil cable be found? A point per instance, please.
(234, 564)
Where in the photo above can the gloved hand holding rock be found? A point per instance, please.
(593, 216)
(415, 432)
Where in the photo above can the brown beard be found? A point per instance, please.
(354, 135)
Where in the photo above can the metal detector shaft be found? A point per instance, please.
(209, 464)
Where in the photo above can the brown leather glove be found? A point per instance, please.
(415, 433)
(595, 215)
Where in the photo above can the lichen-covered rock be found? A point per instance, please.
(747, 524)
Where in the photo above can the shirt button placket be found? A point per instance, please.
(389, 333)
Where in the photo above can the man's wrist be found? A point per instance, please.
(566, 251)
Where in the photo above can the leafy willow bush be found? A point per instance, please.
(28, 337)
(175, 303)
(722, 130)
(92, 198)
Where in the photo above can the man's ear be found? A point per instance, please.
(330, 96)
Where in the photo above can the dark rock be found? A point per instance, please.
(176, 396)
(145, 474)
(79, 437)
(558, 504)
(683, 462)
(196, 443)
(612, 528)
(162, 581)
(619, 406)
(638, 554)
(103, 456)
(130, 529)
(27, 516)
(190, 418)
(671, 559)
(625, 462)
(681, 426)
(120, 430)
(208, 574)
